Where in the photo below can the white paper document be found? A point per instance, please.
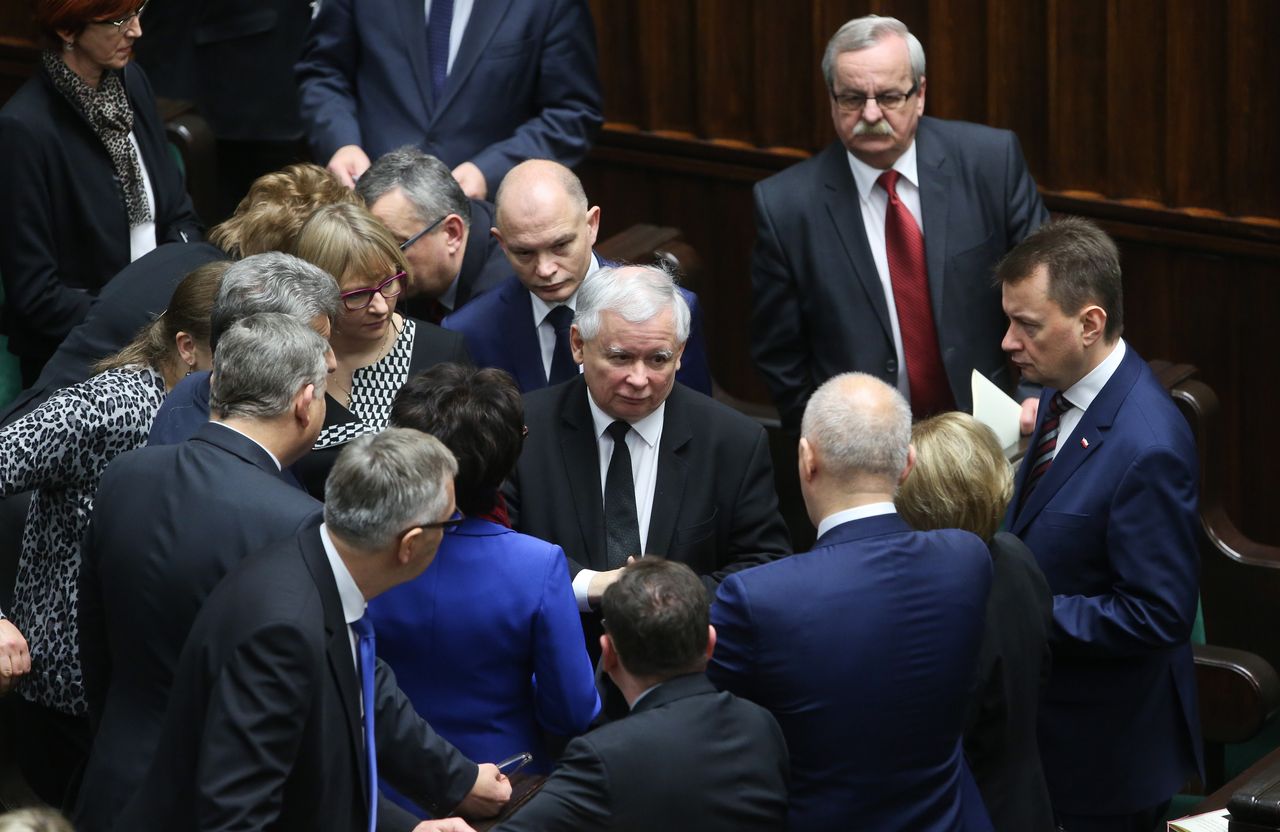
(993, 408)
(1208, 822)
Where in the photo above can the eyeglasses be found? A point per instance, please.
(853, 102)
(452, 523)
(358, 299)
(127, 19)
(405, 245)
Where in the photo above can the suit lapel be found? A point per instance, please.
(935, 195)
(846, 215)
(521, 337)
(582, 469)
(413, 23)
(481, 27)
(668, 492)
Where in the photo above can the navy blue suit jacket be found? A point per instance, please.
(524, 83)
(1113, 524)
(496, 608)
(499, 330)
(864, 648)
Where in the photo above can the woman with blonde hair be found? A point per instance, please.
(60, 450)
(377, 348)
(962, 480)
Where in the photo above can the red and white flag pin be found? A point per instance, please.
(1084, 443)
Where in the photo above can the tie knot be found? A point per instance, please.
(618, 430)
(560, 317)
(363, 627)
(889, 181)
(1059, 404)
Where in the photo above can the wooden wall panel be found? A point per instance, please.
(1253, 104)
(1078, 94)
(1134, 92)
(1196, 86)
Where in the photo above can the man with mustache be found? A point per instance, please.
(876, 254)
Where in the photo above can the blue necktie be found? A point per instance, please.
(438, 44)
(363, 628)
(562, 366)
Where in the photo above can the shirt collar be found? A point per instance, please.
(856, 513)
(645, 693)
(251, 439)
(865, 176)
(541, 308)
(649, 428)
(353, 603)
(1083, 392)
(450, 295)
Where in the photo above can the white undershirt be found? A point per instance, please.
(1083, 392)
(142, 238)
(547, 332)
(874, 202)
(857, 513)
(642, 442)
(457, 26)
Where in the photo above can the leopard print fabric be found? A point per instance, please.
(60, 450)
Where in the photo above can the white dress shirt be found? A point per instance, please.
(353, 603)
(142, 238)
(1083, 392)
(856, 513)
(874, 202)
(457, 27)
(642, 442)
(547, 332)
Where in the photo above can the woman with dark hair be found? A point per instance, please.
(488, 642)
(90, 185)
(60, 450)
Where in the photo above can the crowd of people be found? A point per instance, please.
(387, 490)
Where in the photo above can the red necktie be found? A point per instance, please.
(1043, 457)
(909, 275)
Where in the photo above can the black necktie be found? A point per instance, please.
(562, 366)
(622, 527)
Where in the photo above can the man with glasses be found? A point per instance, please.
(418, 200)
(876, 254)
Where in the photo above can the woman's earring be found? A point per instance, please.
(68, 45)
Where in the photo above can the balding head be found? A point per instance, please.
(546, 228)
(857, 429)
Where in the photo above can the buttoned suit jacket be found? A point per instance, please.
(169, 522)
(820, 307)
(1113, 524)
(523, 85)
(864, 650)
(687, 758)
(714, 504)
(263, 729)
(500, 333)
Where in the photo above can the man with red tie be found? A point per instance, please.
(876, 254)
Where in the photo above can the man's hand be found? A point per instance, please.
(15, 658)
(602, 580)
(471, 180)
(444, 825)
(490, 793)
(1030, 409)
(348, 163)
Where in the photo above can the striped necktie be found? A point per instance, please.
(1043, 458)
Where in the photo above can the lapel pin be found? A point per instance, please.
(1084, 443)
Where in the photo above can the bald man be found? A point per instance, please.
(547, 229)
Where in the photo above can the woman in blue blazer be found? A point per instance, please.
(487, 643)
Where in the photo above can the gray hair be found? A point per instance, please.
(426, 182)
(272, 282)
(383, 484)
(637, 293)
(864, 33)
(859, 425)
(261, 364)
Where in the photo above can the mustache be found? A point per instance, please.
(880, 128)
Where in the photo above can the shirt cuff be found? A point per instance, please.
(581, 583)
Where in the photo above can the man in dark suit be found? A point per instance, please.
(206, 504)
(482, 87)
(876, 254)
(623, 461)
(1107, 500)
(863, 648)
(547, 230)
(686, 757)
(268, 725)
(444, 236)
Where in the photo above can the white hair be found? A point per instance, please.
(864, 33)
(636, 293)
(859, 425)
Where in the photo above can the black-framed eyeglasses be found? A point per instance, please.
(127, 19)
(358, 299)
(405, 245)
(446, 525)
(853, 102)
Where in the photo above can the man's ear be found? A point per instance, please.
(302, 405)
(911, 463)
(593, 224)
(455, 231)
(576, 345)
(497, 235)
(609, 660)
(808, 460)
(711, 641)
(404, 549)
(1093, 324)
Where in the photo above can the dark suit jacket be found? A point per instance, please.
(523, 85)
(687, 758)
(484, 264)
(132, 299)
(263, 729)
(63, 228)
(168, 523)
(820, 308)
(1113, 524)
(714, 506)
(1013, 666)
(500, 333)
(864, 649)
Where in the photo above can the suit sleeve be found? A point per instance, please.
(412, 757)
(1152, 550)
(1026, 211)
(758, 534)
(568, 99)
(28, 263)
(324, 74)
(695, 372)
(565, 699)
(574, 799)
(779, 345)
(732, 665)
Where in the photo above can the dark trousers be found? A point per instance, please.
(50, 748)
(1148, 820)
